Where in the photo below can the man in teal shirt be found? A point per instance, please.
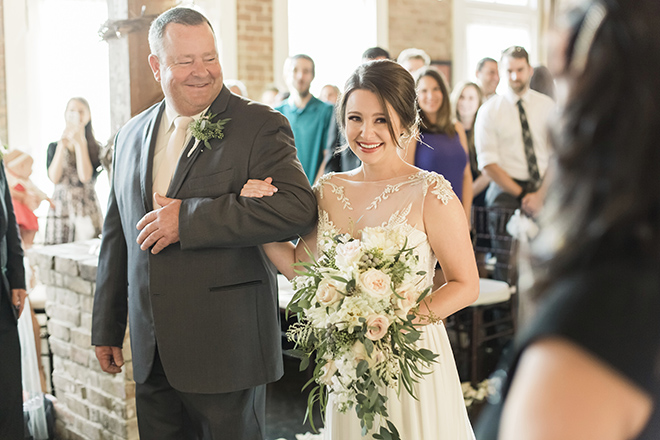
(311, 119)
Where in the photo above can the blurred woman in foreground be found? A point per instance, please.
(589, 365)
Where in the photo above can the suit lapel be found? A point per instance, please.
(218, 107)
(149, 136)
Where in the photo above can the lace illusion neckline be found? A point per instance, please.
(442, 188)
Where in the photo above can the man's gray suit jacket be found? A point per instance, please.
(209, 301)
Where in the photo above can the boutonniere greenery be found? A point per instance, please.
(203, 130)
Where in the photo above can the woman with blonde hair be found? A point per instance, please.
(466, 99)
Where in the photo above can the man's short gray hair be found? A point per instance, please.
(179, 15)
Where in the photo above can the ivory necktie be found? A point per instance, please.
(532, 165)
(172, 153)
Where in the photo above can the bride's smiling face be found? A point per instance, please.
(367, 130)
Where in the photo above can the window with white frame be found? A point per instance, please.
(334, 39)
(484, 28)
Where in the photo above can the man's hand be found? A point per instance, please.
(160, 227)
(532, 203)
(111, 359)
(18, 299)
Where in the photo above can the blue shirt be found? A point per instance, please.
(311, 131)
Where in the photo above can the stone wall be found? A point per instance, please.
(91, 404)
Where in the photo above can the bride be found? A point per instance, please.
(378, 113)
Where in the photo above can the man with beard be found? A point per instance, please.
(311, 119)
(511, 136)
(511, 139)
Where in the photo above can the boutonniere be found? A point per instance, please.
(204, 130)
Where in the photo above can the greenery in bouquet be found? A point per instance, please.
(355, 307)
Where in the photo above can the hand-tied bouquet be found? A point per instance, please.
(355, 309)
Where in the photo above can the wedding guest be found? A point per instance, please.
(466, 99)
(586, 367)
(25, 195)
(12, 301)
(442, 145)
(329, 94)
(270, 96)
(337, 158)
(543, 82)
(413, 59)
(511, 133)
(375, 53)
(237, 87)
(488, 77)
(73, 164)
(181, 253)
(311, 119)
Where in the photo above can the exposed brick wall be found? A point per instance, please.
(255, 44)
(91, 404)
(3, 82)
(424, 24)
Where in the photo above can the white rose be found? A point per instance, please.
(348, 254)
(377, 326)
(375, 283)
(327, 293)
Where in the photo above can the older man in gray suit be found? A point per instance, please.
(186, 265)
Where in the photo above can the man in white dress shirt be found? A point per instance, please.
(511, 139)
(515, 164)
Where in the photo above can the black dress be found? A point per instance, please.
(612, 311)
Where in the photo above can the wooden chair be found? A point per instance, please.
(493, 315)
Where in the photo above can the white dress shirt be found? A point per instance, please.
(165, 130)
(498, 133)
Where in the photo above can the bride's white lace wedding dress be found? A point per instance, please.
(347, 206)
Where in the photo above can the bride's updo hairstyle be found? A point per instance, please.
(393, 85)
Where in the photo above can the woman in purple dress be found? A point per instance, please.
(442, 144)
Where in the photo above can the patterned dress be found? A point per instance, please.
(77, 213)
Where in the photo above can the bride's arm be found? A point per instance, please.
(283, 255)
(449, 236)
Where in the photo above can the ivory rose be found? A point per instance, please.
(377, 326)
(348, 254)
(327, 293)
(375, 283)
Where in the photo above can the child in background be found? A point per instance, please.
(25, 195)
